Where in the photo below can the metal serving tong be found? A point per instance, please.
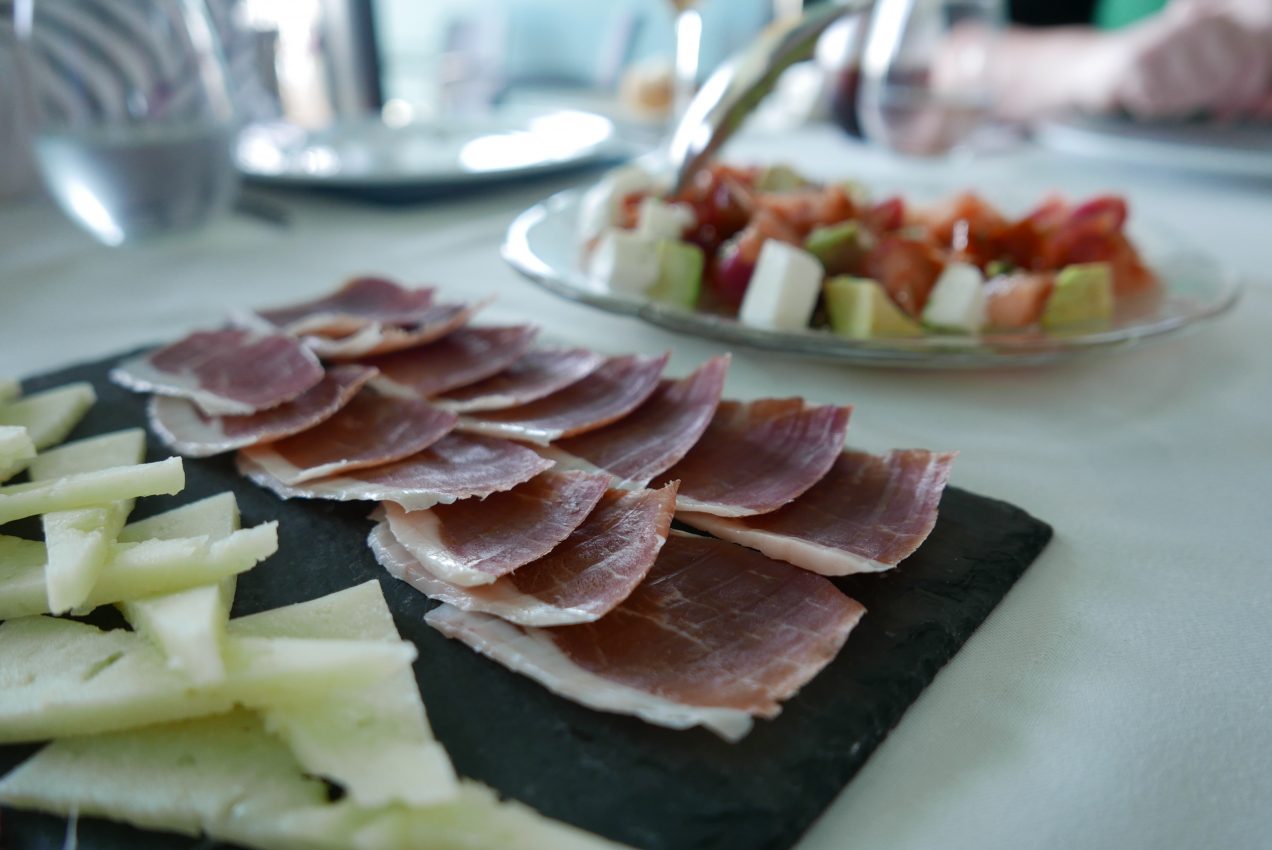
(738, 86)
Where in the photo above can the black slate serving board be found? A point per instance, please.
(649, 787)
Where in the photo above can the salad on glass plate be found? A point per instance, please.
(765, 257)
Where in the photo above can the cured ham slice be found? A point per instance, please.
(455, 467)
(714, 635)
(657, 434)
(536, 375)
(579, 581)
(376, 338)
(471, 543)
(189, 431)
(464, 357)
(756, 456)
(233, 371)
(360, 302)
(865, 515)
(615, 389)
(371, 430)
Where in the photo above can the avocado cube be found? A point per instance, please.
(841, 248)
(859, 308)
(679, 278)
(780, 178)
(1083, 295)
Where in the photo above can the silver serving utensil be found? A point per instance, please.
(738, 86)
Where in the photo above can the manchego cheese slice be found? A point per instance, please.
(61, 677)
(375, 742)
(78, 541)
(88, 489)
(51, 415)
(228, 777)
(136, 570)
(188, 625)
(16, 449)
(185, 776)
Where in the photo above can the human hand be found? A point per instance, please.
(1196, 56)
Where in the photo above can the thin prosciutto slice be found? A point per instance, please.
(464, 357)
(360, 302)
(189, 431)
(579, 581)
(455, 467)
(233, 371)
(376, 338)
(473, 543)
(371, 430)
(538, 374)
(866, 515)
(657, 434)
(611, 392)
(756, 456)
(714, 635)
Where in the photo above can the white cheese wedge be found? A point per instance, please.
(375, 742)
(957, 301)
(49, 416)
(657, 219)
(183, 777)
(601, 203)
(16, 449)
(189, 625)
(784, 288)
(79, 540)
(229, 778)
(624, 262)
(89, 489)
(62, 677)
(134, 570)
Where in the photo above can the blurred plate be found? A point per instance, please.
(370, 156)
(543, 244)
(1234, 150)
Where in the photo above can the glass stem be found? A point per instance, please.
(688, 47)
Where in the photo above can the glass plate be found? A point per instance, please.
(543, 244)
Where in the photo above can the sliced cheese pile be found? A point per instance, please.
(193, 721)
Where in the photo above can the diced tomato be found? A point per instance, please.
(1017, 300)
(966, 212)
(886, 216)
(1049, 215)
(1022, 243)
(765, 225)
(907, 269)
(731, 276)
(1106, 213)
(629, 209)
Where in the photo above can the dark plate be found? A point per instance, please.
(643, 785)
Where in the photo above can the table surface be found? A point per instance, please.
(1120, 696)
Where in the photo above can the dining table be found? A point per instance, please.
(1119, 696)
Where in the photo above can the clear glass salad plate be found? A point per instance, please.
(543, 244)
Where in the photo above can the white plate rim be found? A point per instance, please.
(931, 351)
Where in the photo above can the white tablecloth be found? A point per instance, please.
(1119, 697)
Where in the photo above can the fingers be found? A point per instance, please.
(1181, 64)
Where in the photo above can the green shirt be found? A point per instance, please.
(1111, 14)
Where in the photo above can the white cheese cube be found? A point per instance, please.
(600, 206)
(624, 262)
(957, 301)
(658, 219)
(783, 290)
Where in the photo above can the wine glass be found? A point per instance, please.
(133, 125)
(922, 87)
